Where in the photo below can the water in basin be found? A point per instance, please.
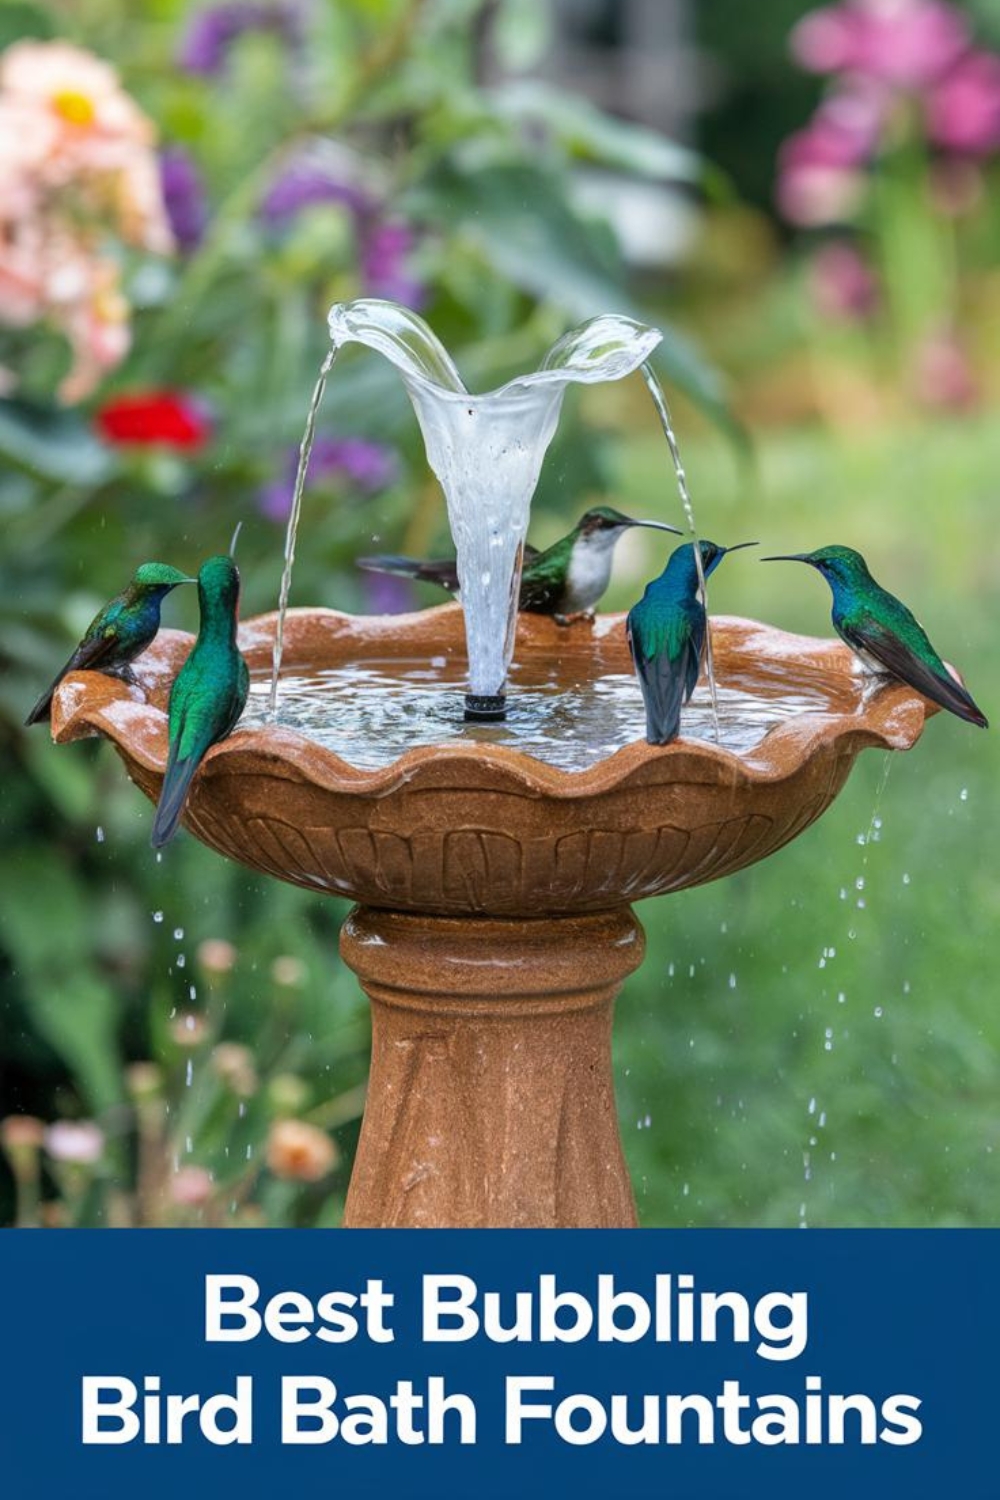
(369, 712)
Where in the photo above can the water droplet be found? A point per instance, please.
(189, 1073)
(648, 1121)
(841, 997)
(822, 1119)
(178, 934)
(812, 1106)
(906, 878)
(249, 1152)
(188, 1145)
(242, 1113)
(100, 834)
(877, 1012)
(963, 795)
(732, 981)
(180, 960)
(859, 884)
(157, 916)
(685, 1190)
(192, 992)
(861, 903)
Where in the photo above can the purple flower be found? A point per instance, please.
(388, 594)
(385, 248)
(906, 43)
(963, 108)
(183, 196)
(365, 466)
(302, 186)
(207, 40)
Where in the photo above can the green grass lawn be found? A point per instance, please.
(788, 1054)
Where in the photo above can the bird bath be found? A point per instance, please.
(494, 888)
(494, 926)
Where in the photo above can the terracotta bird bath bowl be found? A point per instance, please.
(493, 927)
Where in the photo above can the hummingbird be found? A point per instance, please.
(565, 581)
(209, 691)
(666, 636)
(880, 630)
(120, 632)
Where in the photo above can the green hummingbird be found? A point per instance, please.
(209, 692)
(120, 632)
(566, 580)
(880, 629)
(666, 635)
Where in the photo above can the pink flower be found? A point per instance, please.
(963, 108)
(943, 376)
(78, 1141)
(76, 160)
(191, 1187)
(819, 177)
(842, 283)
(906, 43)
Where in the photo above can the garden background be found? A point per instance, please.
(813, 1041)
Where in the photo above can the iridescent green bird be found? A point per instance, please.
(666, 635)
(566, 580)
(209, 692)
(120, 632)
(880, 629)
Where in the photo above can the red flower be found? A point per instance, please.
(147, 417)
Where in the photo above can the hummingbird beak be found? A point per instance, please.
(656, 526)
(787, 557)
(232, 544)
(740, 545)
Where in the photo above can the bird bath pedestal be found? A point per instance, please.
(494, 927)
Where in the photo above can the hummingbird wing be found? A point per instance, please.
(667, 656)
(442, 571)
(872, 638)
(199, 720)
(93, 652)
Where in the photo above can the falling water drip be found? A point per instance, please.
(663, 412)
(305, 450)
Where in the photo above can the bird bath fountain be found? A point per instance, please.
(494, 927)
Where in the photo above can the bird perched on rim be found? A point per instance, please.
(209, 692)
(566, 580)
(666, 636)
(880, 629)
(120, 632)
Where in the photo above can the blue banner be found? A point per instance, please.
(498, 1363)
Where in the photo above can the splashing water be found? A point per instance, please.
(663, 412)
(291, 532)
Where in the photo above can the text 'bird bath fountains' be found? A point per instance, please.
(494, 865)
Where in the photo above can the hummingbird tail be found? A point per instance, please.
(173, 797)
(42, 710)
(443, 572)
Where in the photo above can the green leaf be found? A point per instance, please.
(518, 219)
(587, 133)
(54, 444)
(19, 20)
(45, 926)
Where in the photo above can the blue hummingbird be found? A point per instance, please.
(120, 632)
(666, 635)
(880, 630)
(209, 692)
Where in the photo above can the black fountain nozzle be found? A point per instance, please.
(485, 708)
